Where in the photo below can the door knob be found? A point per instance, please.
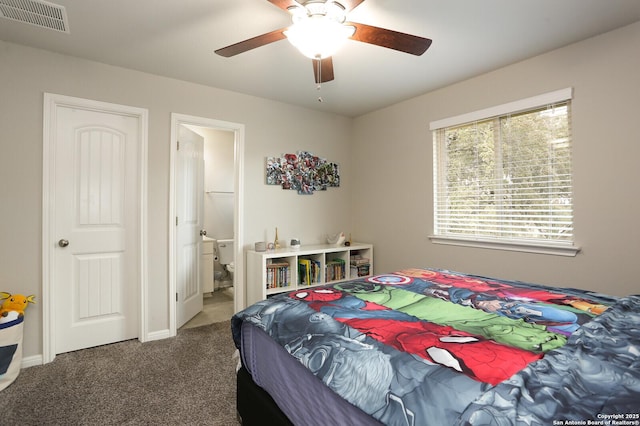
(203, 232)
(63, 243)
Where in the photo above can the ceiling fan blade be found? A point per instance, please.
(325, 71)
(349, 5)
(251, 43)
(391, 39)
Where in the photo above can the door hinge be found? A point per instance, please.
(176, 220)
(178, 146)
(176, 297)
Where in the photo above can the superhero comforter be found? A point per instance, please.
(427, 346)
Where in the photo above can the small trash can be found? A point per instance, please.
(10, 351)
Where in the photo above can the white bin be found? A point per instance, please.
(10, 351)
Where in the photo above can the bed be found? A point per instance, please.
(430, 346)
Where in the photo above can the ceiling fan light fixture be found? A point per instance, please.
(318, 30)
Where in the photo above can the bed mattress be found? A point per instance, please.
(426, 346)
(301, 396)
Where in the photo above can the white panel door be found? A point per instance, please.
(189, 210)
(96, 207)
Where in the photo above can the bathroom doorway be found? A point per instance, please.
(218, 266)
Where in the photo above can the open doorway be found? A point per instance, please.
(218, 266)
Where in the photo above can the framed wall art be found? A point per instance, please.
(302, 172)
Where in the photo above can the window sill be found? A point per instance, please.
(557, 249)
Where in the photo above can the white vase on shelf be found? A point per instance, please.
(337, 239)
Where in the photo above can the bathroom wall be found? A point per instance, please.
(218, 183)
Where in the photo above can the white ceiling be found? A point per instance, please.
(177, 39)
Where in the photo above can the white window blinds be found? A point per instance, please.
(505, 176)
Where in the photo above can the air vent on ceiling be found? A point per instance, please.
(36, 12)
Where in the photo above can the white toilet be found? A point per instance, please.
(226, 254)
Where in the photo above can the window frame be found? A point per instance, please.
(561, 248)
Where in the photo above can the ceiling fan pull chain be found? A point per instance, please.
(319, 85)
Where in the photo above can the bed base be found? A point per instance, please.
(255, 406)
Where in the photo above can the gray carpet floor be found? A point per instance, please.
(185, 380)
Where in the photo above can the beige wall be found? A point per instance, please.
(271, 128)
(392, 177)
(385, 158)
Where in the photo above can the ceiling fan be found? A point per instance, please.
(320, 27)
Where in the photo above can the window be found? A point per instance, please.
(502, 177)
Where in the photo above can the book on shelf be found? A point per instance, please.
(304, 271)
(360, 270)
(360, 265)
(357, 259)
(335, 270)
(308, 271)
(278, 275)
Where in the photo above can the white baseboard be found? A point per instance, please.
(158, 335)
(38, 359)
(31, 361)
